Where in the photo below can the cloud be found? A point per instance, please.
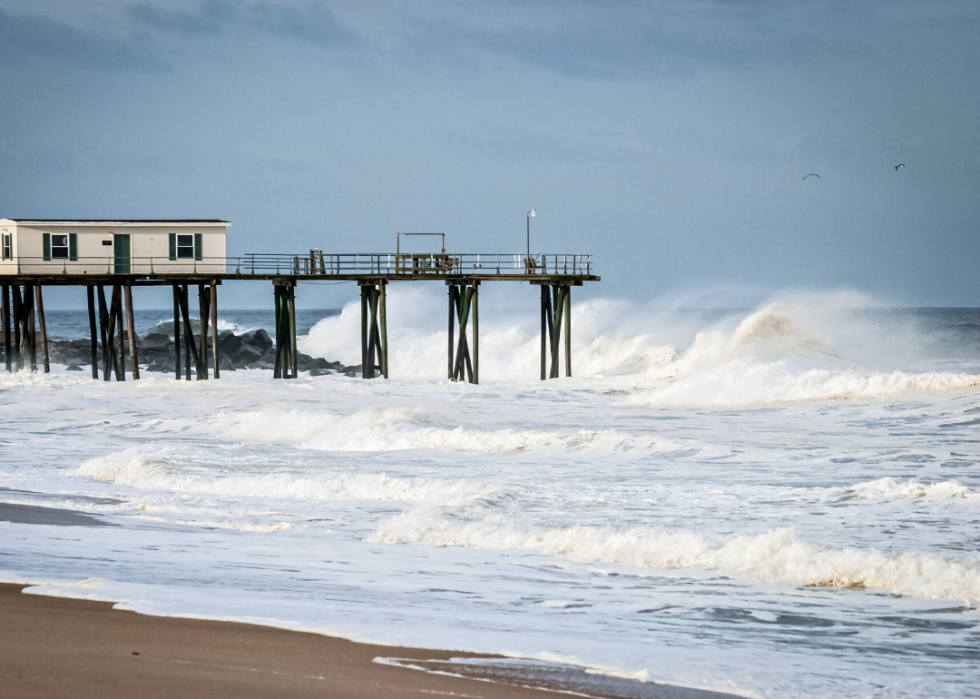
(24, 37)
(314, 23)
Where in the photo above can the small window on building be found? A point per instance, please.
(185, 246)
(59, 246)
(8, 253)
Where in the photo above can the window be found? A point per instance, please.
(59, 246)
(185, 246)
(8, 253)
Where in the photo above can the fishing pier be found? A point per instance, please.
(99, 256)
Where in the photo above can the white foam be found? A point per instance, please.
(171, 471)
(777, 556)
(913, 489)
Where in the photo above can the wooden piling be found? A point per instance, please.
(452, 326)
(277, 367)
(188, 332)
(18, 322)
(568, 331)
(214, 327)
(90, 294)
(365, 300)
(383, 312)
(117, 304)
(476, 332)
(29, 334)
(204, 310)
(293, 351)
(544, 327)
(8, 360)
(131, 331)
(177, 331)
(104, 332)
(39, 301)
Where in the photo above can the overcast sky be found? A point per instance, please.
(669, 138)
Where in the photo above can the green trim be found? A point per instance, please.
(47, 246)
(173, 247)
(198, 246)
(73, 247)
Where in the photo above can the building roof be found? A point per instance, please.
(121, 222)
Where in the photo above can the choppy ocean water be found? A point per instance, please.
(779, 502)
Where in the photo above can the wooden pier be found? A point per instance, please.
(111, 318)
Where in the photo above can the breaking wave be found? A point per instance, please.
(891, 489)
(774, 557)
(405, 427)
(769, 358)
(165, 470)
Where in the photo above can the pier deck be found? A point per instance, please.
(373, 272)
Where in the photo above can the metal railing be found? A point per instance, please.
(410, 265)
(418, 264)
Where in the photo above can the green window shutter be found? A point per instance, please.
(47, 246)
(173, 246)
(197, 246)
(72, 247)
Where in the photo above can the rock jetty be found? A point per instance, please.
(250, 350)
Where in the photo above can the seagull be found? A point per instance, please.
(812, 174)
(898, 166)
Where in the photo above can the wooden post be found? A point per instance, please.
(39, 300)
(188, 333)
(545, 303)
(554, 319)
(204, 310)
(131, 331)
(190, 345)
(568, 331)
(277, 368)
(293, 351)
(452, 326)
(476, 332)
(90, 294)
(117, 304)
(384, 328)
(364, 333)
(30, 332)
(18, 357)
(6, 329)
(372, 366)
(177, 331)
(214, 327)
(104, 332)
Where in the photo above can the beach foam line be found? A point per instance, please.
(912, 489)
(403, 427)
(777, 556)
(169, 470)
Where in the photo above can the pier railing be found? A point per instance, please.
(409, 265)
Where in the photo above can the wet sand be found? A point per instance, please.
(57, 647)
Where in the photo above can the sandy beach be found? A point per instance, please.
(57, 647)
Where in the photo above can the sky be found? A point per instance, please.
(667, 138)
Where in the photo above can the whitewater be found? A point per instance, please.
(782, 501)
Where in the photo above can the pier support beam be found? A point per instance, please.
(131, 331)
(374, 328)
(90, 294)
(556, 306)
(214, 327)
(287, 356)
(39, 299)
(8, 360)
(463, 304)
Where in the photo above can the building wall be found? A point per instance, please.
(149, 250)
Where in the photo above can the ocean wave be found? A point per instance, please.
(777, 556)
(405, 427)
(170, 471)
(912, 489)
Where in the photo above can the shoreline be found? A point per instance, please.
(58, 646)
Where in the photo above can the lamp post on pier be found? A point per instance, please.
(530, 214)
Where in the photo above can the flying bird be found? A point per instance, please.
(812, 174)
(898, 166)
